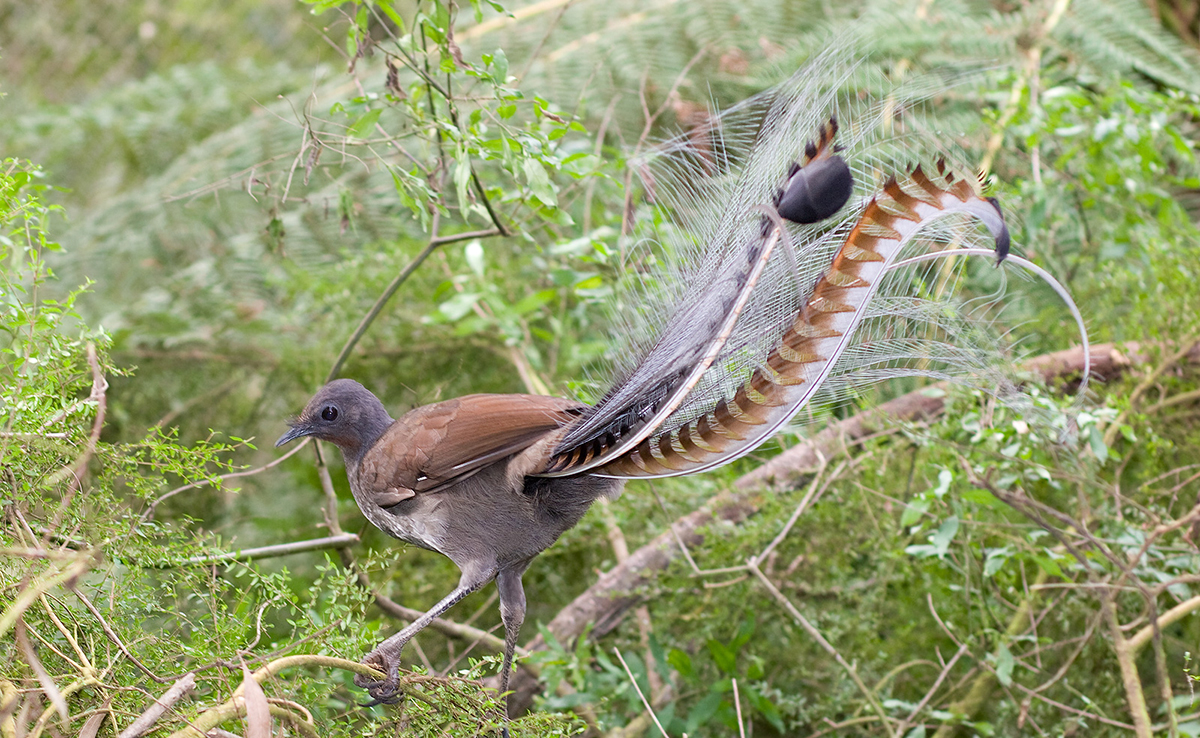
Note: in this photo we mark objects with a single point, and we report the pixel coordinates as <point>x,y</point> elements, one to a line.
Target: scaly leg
<point>512,612</point>
<point>386,656</point>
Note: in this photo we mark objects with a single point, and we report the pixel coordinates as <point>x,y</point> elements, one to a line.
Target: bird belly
<point>416,521</point>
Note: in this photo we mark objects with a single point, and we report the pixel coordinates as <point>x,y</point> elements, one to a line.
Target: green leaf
<point>365,124</point>
<point>539,183</point>
<point>914,511</point>
<point>590,283</point>
<point>500,64</point>
<point>921,551</point>
<point>681,662</point>
<point>744,632</point>
<point>529,303</point>
<point>1096,440</point>
<point>945,535</point>
<point>1004,665</point>
<point>459,305</point>
<point>996,558</point>
<point>945,477</point>
<point>1049,565</point>
<point>756,669</point>
<point>725,657</point>
<point>462,176</point>
<point>390,12</point>
<point>765,707</point>
<point>703,711</point>
<point>982,497</point>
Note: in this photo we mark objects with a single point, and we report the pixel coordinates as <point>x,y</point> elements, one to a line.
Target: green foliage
<point>98,593</point>
<point>232,240</point>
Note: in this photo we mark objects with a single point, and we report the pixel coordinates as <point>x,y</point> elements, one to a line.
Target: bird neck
<point>369,427</point>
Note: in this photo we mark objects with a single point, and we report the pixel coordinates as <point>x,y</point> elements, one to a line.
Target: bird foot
<point>384,691</point>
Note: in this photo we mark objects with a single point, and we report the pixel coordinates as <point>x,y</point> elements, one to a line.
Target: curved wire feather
<point>822,330</point>
<point>753,318</point>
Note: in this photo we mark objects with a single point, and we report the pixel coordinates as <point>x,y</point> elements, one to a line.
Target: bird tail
<point>800,271</point>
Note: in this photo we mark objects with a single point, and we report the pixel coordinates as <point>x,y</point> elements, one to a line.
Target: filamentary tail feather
<point>782,246</point>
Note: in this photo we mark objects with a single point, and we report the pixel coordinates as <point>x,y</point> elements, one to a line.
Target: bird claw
<point>384,691</point>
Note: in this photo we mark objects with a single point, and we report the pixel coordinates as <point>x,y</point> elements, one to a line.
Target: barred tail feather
<point>819,334</point>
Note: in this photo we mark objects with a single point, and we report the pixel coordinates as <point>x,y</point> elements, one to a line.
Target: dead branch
<point>180,689</point>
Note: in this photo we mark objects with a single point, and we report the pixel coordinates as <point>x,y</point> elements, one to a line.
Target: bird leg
<point>512,612</point>
<point>386,656</point>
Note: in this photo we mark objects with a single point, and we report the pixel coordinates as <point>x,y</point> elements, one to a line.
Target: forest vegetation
<point>208,210</point>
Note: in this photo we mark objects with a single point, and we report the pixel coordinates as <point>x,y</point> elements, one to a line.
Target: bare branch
<point>180,689</point>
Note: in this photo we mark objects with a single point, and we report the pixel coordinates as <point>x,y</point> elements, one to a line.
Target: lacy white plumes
<point>746,318</point>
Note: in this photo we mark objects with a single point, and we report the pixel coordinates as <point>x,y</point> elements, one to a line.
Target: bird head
<point>344,413</point>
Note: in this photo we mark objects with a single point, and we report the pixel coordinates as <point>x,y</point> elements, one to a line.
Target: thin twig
<point>266,552</point>
<point>737,704</point>
<point>1110,434</point>
<point>57,701</point>
<point>220,478</point>
<point>112,635</point>
<point>638,689</point>
<point>373,313</point>
<point>815,634</point>
<point>932,690</point>
<point>99,388</point>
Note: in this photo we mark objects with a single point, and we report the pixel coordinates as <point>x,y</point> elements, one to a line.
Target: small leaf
<point>462,176</point>
<point>539,183</point>
<point>590,283</point>
<point>945,477</point>
<point>724,656</point>
<point>500,64</point>
<point>529,303</point>
<point>387,8</point>
<point>703,711</point>
<point>945,535</point>
<point>681,662</point>
<point>365,124</point>
<point>459,305</point>
<point>1004,665</point>
<point>1096,440</point>
<point>996,558</point>
<point>914,511</point>
<point>921,551</point>
<point>744,632</point>
<point>1049,565</point>
<point>982,497</point>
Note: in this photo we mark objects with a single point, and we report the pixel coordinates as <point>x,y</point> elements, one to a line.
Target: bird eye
<point>329,413</point>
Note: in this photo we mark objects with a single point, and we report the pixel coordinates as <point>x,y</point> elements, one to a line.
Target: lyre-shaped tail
<point>820,332</point>
<point>703,322</point>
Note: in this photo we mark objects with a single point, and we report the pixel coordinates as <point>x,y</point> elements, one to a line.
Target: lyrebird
<point>785,285</point>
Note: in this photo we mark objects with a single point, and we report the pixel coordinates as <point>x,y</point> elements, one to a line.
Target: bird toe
<point>384,691</point>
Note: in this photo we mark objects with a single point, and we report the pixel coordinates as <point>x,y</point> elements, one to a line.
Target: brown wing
<point>435,446</point>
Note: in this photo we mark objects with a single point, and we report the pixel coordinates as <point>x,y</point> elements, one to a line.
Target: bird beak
<point>298,430</point>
